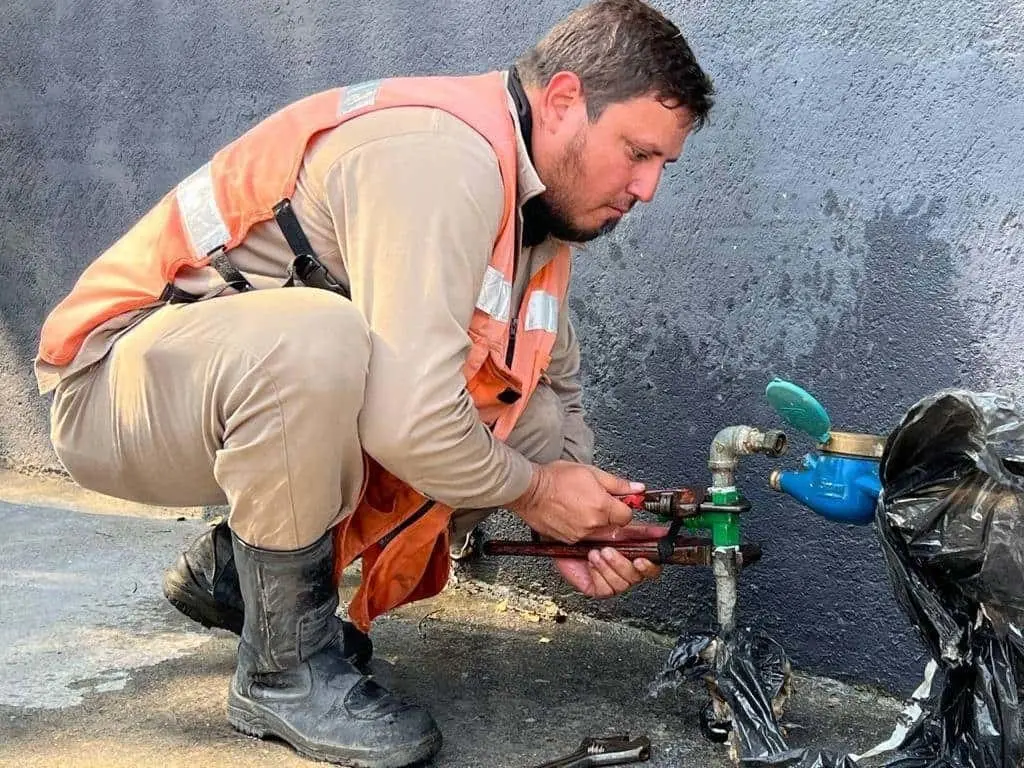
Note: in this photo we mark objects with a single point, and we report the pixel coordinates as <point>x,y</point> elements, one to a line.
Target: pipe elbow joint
<point>740,440</point>
<point>732,442</point>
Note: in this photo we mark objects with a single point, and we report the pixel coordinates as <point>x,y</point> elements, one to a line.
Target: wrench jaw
<point>619,750</point>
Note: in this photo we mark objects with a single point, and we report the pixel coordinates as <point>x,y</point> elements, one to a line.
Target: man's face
<point>595,172</point>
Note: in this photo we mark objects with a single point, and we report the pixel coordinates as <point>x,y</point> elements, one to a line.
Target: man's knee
<point>317,339</point>
<point>193,379</point>
<point>538,432</point>
<point>295,406</point>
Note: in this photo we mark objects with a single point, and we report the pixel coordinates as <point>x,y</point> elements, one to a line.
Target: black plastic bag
<point>749,674</point>
<point>748,678</point>
<point>951,522</point>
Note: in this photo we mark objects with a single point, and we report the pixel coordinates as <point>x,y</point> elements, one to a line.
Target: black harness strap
<point>234,278</point>
<point>423,509</point>
<point>306,267</point>
<point>172,294</point>
<point>536,217</point>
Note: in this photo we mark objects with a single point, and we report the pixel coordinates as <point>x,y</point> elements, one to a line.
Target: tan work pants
<point>250,400</point>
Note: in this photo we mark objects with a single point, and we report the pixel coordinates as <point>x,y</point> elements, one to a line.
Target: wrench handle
<point>688,551</point>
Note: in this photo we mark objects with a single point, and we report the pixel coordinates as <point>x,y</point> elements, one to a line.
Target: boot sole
<point>258,723</point>
<point>185,594</point>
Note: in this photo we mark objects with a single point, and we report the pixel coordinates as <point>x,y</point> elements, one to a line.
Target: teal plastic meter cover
<point>799,409</point>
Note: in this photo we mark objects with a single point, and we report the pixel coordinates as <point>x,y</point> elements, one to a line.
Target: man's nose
<point>645,183</point>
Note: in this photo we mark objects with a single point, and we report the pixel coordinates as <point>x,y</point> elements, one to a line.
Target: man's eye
<point>638,154</point>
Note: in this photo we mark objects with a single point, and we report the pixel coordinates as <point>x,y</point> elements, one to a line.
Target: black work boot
<point>293,680</point>
<point>203,585</point>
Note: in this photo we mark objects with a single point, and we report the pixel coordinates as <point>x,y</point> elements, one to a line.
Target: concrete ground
<point>99,670</point>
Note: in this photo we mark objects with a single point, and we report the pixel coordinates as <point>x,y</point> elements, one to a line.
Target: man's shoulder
<point>417,128</point>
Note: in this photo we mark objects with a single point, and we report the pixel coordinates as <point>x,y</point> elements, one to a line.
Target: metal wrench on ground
<point>613,750</point>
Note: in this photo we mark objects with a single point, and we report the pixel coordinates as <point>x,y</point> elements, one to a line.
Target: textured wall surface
<point>850,220</point>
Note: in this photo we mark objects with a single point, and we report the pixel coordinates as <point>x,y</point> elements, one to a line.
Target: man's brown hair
<point>621,49</point>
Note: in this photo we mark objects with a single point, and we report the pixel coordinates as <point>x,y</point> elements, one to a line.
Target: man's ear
<point>562,102</point>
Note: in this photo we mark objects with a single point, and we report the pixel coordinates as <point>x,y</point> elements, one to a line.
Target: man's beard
<point>547,213</point>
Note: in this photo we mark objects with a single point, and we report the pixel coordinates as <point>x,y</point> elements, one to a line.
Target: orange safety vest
<point>401,536</point>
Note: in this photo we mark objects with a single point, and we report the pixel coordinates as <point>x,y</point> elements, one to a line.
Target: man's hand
<point>606,572</point>
<point>568,502</point>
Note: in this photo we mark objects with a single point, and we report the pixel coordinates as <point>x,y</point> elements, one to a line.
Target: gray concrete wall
<point>849,221</point>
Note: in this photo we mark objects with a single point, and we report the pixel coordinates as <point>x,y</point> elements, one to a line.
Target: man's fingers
<point>643,532</point>
<point>618,571</point>
<point>618,513</point>
<point>578,573</point>
<point>616,485</point>
<point>599,578</point>
<point>647,569</point>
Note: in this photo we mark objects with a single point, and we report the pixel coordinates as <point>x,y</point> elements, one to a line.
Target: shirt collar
<point>528,183</point>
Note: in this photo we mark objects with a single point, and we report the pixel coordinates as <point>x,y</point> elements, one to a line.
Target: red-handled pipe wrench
<point>673,504</point>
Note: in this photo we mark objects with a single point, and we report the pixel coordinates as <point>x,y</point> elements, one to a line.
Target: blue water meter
<point>840,480</point>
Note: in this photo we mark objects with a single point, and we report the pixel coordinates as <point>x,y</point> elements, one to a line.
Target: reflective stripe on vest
<point>199,213</point>
<point>542,312</point>
<point>495,295</point>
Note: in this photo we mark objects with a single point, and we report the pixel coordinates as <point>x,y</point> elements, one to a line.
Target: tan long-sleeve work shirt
<point>403,206</point>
